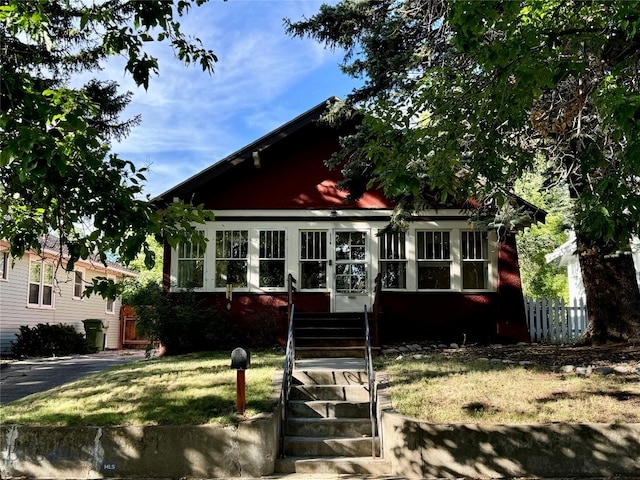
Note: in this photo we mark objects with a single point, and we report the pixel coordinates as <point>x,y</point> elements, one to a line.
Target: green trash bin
<point>96,331</point>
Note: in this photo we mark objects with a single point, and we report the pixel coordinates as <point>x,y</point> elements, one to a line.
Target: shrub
<point>181,322</point>
<point>46,340</point>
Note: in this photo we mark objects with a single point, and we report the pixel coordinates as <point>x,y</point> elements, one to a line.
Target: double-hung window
<point>434,260</point>
<point>4,265</point>
<point>272,258</point>
<point>313,259</point>
<point>40,284</point>
<point>475,260</point>
<point>78,283</point>
<point>190,265</point>
<point>232,249</point>
<point>393,260</point>
<point>110,302</point>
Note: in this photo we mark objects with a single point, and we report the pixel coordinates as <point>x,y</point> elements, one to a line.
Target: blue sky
<point>263,78</point>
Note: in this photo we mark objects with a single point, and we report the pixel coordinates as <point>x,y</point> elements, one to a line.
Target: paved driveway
<point>22,378</point>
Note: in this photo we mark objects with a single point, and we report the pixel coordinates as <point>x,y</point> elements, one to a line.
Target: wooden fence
<point>550,320</point>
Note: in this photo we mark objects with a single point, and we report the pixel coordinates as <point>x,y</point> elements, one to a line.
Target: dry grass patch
<point>442,390</point>
<point>186,390</point>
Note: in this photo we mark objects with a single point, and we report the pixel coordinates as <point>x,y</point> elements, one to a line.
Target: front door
<point>351,270</point>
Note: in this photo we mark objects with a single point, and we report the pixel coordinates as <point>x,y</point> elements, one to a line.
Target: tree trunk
<point>613,297</point>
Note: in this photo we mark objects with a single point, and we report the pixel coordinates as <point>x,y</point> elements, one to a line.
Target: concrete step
<point>329,446</point>
<point>334,465</point>
<point>327,409</point>
<point>330,352</point>
<point>330,377</point>
<point>349,393</point>
<point>324,331</point>
<point>329,341</point>
<point>328,427</point>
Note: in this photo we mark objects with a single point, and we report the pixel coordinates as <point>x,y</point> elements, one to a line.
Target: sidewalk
<point>24,377</point>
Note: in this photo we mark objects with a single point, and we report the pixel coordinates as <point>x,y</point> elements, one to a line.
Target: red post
<point>241,400</point>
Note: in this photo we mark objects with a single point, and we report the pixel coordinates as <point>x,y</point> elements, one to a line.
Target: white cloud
<point>263,78</point>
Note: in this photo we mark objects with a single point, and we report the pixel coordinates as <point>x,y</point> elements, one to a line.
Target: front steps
<point>328,429</point>
<point>329,335</point>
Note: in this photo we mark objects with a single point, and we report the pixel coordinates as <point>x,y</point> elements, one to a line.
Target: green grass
<point>185,390</point>
<point>441,390</point>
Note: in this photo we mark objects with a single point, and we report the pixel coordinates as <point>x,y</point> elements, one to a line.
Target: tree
<point>459,98</point>
<point>57,173</point>
<point>539,278</point>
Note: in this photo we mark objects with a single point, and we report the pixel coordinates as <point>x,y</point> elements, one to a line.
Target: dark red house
<point>278,212</point>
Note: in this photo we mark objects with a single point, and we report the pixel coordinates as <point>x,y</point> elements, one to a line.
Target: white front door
<point>351,287</point>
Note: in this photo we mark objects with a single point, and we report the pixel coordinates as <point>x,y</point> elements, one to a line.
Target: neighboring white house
<point>566,254</point>
<point>33,291</point>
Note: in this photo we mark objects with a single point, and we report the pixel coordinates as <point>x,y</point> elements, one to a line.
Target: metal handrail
<point>371,380</point>
<point>287,376</point>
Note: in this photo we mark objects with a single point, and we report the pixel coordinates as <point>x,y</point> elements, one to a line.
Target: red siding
<point>297,180</point>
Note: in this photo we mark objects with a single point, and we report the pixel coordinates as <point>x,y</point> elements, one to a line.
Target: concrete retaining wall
<point>145,451</point>
<point>418,449</point>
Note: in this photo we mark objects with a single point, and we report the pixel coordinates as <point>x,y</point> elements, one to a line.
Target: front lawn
<point>184,390</point>
<point>441,389</point>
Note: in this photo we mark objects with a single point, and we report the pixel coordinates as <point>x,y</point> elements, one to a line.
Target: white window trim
<point>253,275</point>
<point>491,262</point>
<point>4,273</point>
<point>41,283</point>
<point>293,231</point>
<point>113,302</point>
<point>453,284</point>
<point>82,272</point>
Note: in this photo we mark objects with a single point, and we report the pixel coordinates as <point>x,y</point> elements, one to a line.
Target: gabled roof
<point>248,154</point>
<point>50,245</point>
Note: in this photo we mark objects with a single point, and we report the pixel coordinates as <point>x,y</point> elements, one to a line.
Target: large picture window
<point>40,284</point>
<point>434,260</point>
<point>475,261</point>
<point>232,248</point>
<point>393,260</point>
<point>313,259</point>
<point>190,265</point>
<point>272,258</point>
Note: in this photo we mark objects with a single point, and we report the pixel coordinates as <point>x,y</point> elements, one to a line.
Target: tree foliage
<point>57,171</point>
<point>460,97</point>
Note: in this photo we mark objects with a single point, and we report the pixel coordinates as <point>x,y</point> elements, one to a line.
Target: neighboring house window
<point>110,302</point>
<point>272,258</point>
<point>434,260</point>
<point>190,265</point>
<point>4,265</point>
<point>313,259</point>
<point>78,283</point>
<point>475,260</point>
<point>232,248</point>
<point>40,284</point>
<point>393,260</point>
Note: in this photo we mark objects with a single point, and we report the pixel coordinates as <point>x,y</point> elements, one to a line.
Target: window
<point>78,283</point>
<point>475,260</point>
<point>393,260</point>
<point>434,260</point>
<point>40,284</point>
<point>313,259</point>
<point>110,302</point>
<point>190,265</point>
<point>272,257</point>
<point>231,258</point>
<point>4,265</point>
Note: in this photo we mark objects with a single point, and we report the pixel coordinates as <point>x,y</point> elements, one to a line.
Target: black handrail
<point>287,376</point>
<point>371,380</point>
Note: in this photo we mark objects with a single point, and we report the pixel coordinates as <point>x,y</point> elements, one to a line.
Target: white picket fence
<point>550,320</point>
